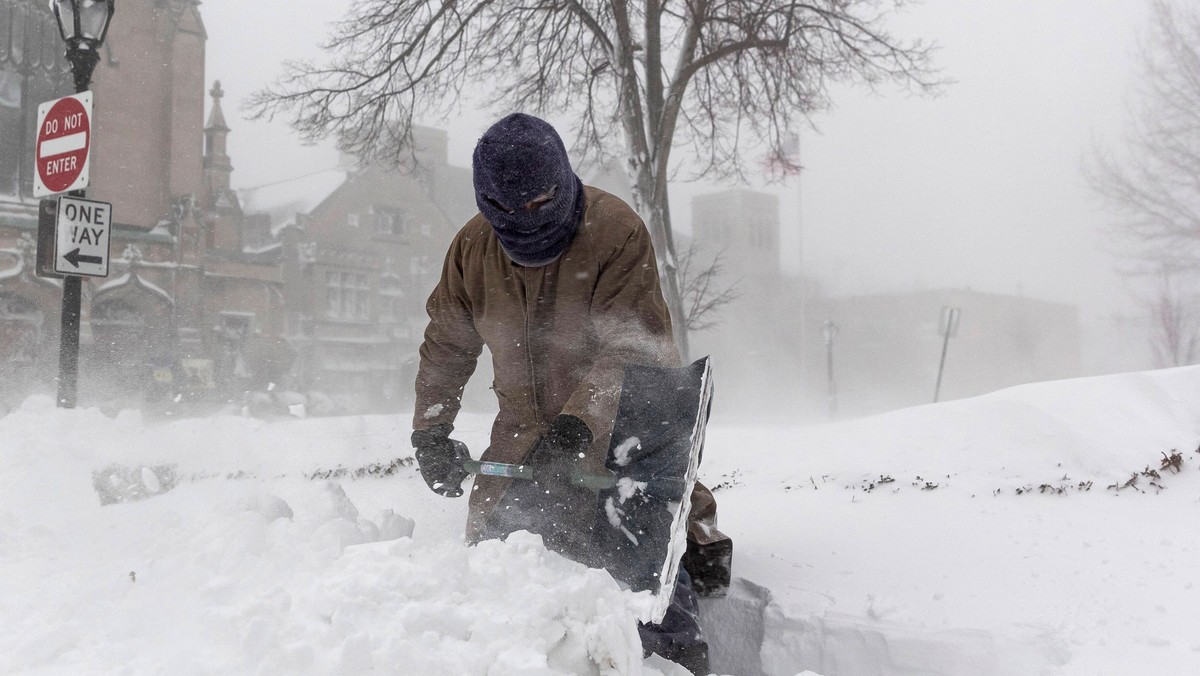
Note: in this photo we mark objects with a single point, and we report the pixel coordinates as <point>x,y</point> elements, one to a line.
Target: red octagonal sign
<point>63,140</point>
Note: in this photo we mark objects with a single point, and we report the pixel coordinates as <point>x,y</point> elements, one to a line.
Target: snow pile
<point>1036,530</point>
<point>222,575</point>
<point>1050,529</point>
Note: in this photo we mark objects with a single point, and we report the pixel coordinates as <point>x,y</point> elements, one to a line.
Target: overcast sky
<point>980,187</point>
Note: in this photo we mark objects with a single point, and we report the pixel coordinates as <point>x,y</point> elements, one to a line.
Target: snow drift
<point>1044,529</point>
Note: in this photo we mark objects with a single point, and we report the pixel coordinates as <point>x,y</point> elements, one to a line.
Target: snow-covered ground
<point>974,537</point>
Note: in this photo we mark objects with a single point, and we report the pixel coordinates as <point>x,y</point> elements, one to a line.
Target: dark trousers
<point>679,637</point>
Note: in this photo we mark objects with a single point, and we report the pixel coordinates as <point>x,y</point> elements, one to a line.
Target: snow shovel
<point>641,532</point>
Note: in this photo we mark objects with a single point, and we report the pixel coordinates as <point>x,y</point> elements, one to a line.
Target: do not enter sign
<point>64,138</point>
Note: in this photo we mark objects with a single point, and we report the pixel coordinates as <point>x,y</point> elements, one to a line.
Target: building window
<point>347,295</point>
<point>120,344</point>
<point>391,222</point>
<point>21,326</point>
<point>352,220</point>
<point>11,131</point>
<point>418,266</point>
<point>233,333</point>
<point>391,298</point>
<point>32,70</point>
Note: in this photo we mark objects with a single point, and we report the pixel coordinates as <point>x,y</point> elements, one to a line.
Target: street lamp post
<point>83,25</point>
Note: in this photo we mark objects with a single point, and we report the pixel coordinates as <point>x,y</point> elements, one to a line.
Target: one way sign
<point>82,237</point>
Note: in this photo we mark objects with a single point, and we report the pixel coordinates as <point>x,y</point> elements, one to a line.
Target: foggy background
<point>907,206</point>
<point>979,188</point>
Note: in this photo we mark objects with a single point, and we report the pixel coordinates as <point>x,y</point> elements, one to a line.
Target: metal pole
<point>830,330</point>
<point>948,327</point>
<point>68,352</point>
<point>941,366</point>
<point>83,62</point>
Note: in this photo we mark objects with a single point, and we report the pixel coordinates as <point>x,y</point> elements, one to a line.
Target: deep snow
<point>977,536</point>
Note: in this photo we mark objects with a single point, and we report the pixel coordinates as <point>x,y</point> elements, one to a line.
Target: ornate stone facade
<point>193,306</point>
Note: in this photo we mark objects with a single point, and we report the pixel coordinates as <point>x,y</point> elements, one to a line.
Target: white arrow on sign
<point>81,237</point>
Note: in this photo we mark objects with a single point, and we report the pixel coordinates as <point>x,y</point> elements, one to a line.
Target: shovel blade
<point>657,440</point>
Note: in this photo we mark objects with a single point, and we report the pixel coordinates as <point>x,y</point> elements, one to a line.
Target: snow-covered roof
<point>266,248</point>
<point>132,278</point>
<point>284,199</point>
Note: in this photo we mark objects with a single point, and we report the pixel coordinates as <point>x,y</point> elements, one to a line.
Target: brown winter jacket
<point>560,335</point>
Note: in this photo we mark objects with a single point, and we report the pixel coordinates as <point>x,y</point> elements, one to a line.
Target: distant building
<point>363,249</point>
<point>192,308</point>
<point>743,225</point>
<point>757,357</point>
<point>888,347</point>
<point>769,346</point>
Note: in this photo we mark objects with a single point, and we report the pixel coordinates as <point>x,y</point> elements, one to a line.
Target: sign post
<point>830,331</point>
<point>81,227</point>
<point>47,215</point>
<point>948,327</point>
<point>64,141</point>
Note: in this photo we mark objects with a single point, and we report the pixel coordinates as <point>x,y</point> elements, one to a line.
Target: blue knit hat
<point>525,187</point>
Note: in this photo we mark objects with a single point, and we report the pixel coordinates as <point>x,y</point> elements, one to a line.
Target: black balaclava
<point>520,160</point>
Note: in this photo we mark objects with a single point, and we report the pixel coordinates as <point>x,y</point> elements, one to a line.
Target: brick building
<point>193,305</point>
<point>363,247</point>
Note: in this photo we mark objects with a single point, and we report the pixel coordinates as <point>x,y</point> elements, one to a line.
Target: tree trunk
<point>645,163</point>
<point>657,210</point>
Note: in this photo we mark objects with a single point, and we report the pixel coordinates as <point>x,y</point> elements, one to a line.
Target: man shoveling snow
<point>559,280</point>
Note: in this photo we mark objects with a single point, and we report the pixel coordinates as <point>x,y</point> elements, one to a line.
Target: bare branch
<point>1153,188</point>
<point>703,293</point>
<point>719,77</point>
<point>1176,329</point>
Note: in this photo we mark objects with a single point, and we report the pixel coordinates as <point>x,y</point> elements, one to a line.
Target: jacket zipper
<point>530,302</point>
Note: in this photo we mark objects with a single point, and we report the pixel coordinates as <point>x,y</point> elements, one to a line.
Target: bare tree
<point>704,292</point>
<point>1174,321</point>
<point>1154,186</point>
<point>721,76</point>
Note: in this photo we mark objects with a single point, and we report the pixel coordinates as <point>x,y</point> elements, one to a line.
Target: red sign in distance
<point>63,140</point>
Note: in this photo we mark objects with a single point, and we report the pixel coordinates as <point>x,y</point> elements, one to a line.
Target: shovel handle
<point>499,469</point>
<point>594,482</point>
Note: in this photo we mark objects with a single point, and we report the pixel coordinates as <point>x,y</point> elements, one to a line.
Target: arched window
<point>119,347</point>
<point>391,298</point>
<point>21,325</point>
<point>117,327</point>
<point>32,70</point>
